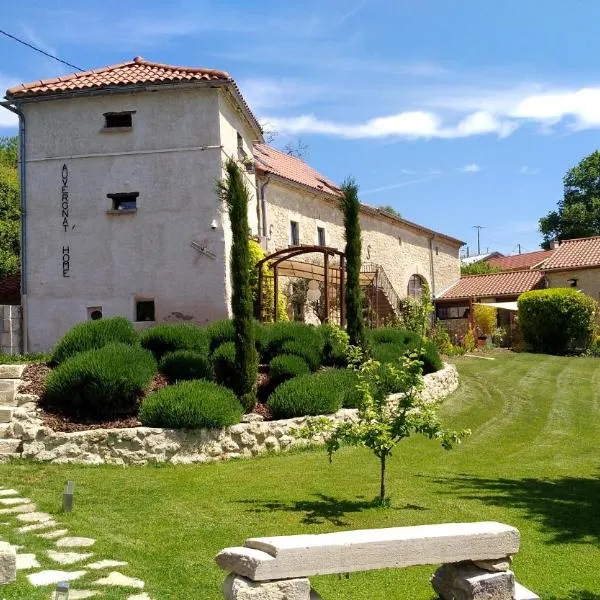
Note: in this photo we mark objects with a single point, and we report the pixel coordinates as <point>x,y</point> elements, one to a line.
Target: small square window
<point>240,147</point>
<point>118,120</point>
<point>294,233</point>
<point>94,313</point>
<point>321,236</point>
<point>124,201</point>
<point>144,310</point>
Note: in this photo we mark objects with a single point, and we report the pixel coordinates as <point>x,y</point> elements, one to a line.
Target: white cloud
<point>400,184</point>
<point>470,168</point>
<point>525,170</point>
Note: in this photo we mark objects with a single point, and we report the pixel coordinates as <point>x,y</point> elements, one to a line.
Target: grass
<point>532,462</point>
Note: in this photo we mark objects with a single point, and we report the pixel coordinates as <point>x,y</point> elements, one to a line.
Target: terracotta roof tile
<point>527,260</point>
<point>508,283</point>
<point>289,167</point>
<point>575,254</point>
<point>135,72</point>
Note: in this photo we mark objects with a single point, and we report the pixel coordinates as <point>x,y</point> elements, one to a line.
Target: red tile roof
<point>527,260</point>
<point>135,72</point>
<point>575,254</point>
<point>289,167</point>
<point>508,283</point>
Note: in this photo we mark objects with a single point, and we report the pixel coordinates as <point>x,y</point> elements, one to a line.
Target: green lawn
<point>532,462</point>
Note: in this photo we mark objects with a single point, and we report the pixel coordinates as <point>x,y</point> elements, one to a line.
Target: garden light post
<point>62,591</point>
<point>68,497</point>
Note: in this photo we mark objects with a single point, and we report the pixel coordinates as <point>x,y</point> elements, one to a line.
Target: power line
<point>479,228</point>
<point>64,62</point>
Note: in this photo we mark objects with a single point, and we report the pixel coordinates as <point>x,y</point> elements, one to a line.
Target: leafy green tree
<point>233,191</point>
<point>350,206</point>
<point>578,213</point>
<point>9,207</point>
<point>391,210</point>
<point>478,268</point>
<point>382,422</point>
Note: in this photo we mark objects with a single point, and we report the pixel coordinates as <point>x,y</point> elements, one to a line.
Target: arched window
<point>415,286</point>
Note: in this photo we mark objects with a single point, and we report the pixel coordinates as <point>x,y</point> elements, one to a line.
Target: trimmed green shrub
<point>309,352</point>
<point>185,364</point>
<point>191,405</point>
<point>287,366</point>
<point>101,383</point>
<point>278,334</point>
<point>223,364</point>
<point>335,345</point>
<point>394,335</point>
<point>94,334</point>
<point>169,337</point>
<point>432,361</point>
<point>319,393</point>
<point>557,320</point>
<point>220,332</point>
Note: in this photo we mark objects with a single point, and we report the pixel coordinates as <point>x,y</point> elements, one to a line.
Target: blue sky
<point>455,112</point>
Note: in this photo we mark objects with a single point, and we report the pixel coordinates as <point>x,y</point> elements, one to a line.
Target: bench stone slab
<point>287,557</point>
<point>465,581</point>
<point>8,563</point>
<point>522,593</point>
<point>240,588</point>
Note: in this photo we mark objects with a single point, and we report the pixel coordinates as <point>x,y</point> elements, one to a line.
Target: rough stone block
<point>285,557</point>
<point>522,593</point>
<point>240,588</point>
<point>8,563</point>
<point>6,414</point>
<point>465,581</point>
<point>494,566</point>
<point>11,371</point>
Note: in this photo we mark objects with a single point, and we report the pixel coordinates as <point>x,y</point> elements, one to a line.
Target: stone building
<point>121,216</point>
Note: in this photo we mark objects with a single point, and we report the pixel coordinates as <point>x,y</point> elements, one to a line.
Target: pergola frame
<point>273,261</point>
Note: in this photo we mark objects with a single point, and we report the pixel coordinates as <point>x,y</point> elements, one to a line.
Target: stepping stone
<point>105,564</point>
<point>27,561</point>
<point>34,517</point>
<point>6,492</point>
<point>77,594</point>
<point>143,596</point>
<point>51,535</point>
<point>37,526</point>
<point>118,579</point>
<point>75,542</point>
<point>22,508</point>
<point>68,558</point>
<point>51,577</point>
<point>8,501</point>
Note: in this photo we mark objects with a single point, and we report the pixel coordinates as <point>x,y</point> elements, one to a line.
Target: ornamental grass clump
<point>191,405</point>
<point>102,383</point>
<point>92,335</point>
<point>185,364</point>
<point>169,337</point>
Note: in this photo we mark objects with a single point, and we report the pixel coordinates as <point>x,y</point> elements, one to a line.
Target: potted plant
<point>486,318</point>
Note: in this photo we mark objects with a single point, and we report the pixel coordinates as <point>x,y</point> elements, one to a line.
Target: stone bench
<point>475,560</point>
<point>8,563</point>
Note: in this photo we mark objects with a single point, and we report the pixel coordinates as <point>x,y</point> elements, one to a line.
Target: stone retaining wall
<point>140,445</point>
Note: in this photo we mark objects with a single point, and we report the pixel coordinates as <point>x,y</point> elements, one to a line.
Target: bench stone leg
<point>237,587</point>
<point>466,581</point>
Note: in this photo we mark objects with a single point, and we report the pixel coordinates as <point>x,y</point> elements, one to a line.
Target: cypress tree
<point>350,207</point>
<point>235,194</point>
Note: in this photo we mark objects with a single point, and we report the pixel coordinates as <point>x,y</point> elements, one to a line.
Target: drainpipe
<point>431,266</point>
<point>22,184</point>
<point>263,209</point>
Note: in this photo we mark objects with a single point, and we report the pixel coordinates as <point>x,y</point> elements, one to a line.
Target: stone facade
<point>401,248</point>
<point>588,280</point>
<point>141,445</point>
<point>10,342</point>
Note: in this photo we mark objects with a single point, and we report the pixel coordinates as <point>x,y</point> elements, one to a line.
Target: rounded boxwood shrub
<point>169,337</point>
<point>94,334</point>
<point>310,352</point>
<point>319,393</point>
<point>393,335</point>
<point>220,332</point>
<point>335,345</point>
<point>101,383</point>
<point>287,366</point>
<point>557,320</point>
<point>223,364</point>
<point>277,334</point>
<point>432,361</point>
<point>185,364</point>
<point>191,405</point>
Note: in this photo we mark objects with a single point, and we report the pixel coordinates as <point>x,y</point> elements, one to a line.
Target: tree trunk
<point>382,480</point>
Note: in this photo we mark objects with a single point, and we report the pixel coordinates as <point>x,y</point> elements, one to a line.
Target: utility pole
<point>479,228</point>
<point>519,245</point>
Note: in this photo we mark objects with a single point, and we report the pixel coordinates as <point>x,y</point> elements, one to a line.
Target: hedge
<point>92,335</point>
<point>169,337</point>
<point>191,405</point>
<point>223,364</point>
<point>319,393</point>
<point>287,366</point>
<point>101,383</point>
<point>557,320</point>
<point>185,364</point>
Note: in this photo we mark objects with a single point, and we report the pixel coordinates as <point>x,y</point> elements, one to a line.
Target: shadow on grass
<point>567,507</point>
<point>323,508</point>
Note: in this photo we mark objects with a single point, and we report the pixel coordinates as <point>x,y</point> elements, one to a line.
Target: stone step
<point>11,371</point>
<point>8,390</point>
<point>21,399</point>
<point>5,429</point>
<point>6,414</point>
<point>10,447</point>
